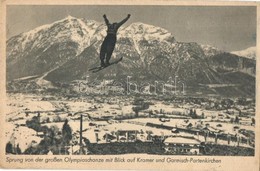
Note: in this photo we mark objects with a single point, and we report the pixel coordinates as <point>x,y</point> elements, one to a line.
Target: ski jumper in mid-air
<point>109,42</point>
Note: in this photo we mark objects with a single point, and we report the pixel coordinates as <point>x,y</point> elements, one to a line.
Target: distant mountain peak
<point>139,26</point>
<point>248,53</point>
<point>46,26</point>
<point>70,17</point>
<point>208,46</point>
<point>140,30</point>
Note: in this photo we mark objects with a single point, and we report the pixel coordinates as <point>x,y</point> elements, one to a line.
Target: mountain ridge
<point>148,51</point>
<point>248,52</point>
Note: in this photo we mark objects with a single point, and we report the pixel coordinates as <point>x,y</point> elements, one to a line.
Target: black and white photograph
<point>165,80</point>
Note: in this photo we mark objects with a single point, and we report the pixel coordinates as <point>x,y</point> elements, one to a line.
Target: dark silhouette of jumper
<point>109,42</point>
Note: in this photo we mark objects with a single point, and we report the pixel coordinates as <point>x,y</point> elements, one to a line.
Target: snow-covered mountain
<point>49,46</point>
<point>66,49</point>
<point>72,29</point>
<point>248,53</point>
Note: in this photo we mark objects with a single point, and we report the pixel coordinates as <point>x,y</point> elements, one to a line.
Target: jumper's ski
<point>99,68</point>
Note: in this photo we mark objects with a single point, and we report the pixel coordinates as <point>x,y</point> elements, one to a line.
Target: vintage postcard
<point>152,85</point>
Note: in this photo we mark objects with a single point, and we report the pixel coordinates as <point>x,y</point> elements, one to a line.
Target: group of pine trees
<point>193,114</point>
<point>53,139</point>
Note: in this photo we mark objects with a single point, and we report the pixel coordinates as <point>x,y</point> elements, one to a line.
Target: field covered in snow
<point>102,118</point>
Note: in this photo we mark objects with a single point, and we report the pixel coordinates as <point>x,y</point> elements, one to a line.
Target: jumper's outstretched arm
<point>106,20</point>
<point>124,20</point>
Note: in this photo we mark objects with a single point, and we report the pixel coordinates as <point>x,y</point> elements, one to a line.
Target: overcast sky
<point>227,28</point>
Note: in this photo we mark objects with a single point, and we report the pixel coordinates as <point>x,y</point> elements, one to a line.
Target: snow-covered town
<point>127,124</point>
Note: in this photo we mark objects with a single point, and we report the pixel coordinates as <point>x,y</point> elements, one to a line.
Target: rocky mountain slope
<point>65,51</point>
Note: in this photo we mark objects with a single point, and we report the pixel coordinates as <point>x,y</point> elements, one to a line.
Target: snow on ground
<point>104,127</point>
<point>229,127</point>
<point>225,127</point>
<point>44,83</point>
<point>25,78</point>
<point>21,135</point>
<point>18,105</point>
<point>78,106</point>
<point>30,104</point>
<point>167,108</point>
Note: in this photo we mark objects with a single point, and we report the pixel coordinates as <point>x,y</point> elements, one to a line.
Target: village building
<point>182,145</point>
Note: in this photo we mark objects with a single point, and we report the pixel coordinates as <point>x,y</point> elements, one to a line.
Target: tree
<point>161,111</point>
<point>86,141</point>
<point>150,113</point>
<point>194,114</point>
<point>145,106</point>
<point>240,113</point>
<point>202,115</point>
<point>66,133</point>
<point>34,123</point>
<point>52,134</point>
<point>253,121</point>
<point>9,148</point>
<point>241,101</point>
<point>38,115</point>
<point>237,119</point>
<point>136,110</point>
<point>56,118</point>
<point>191,112</point>
<point>18,150</point>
